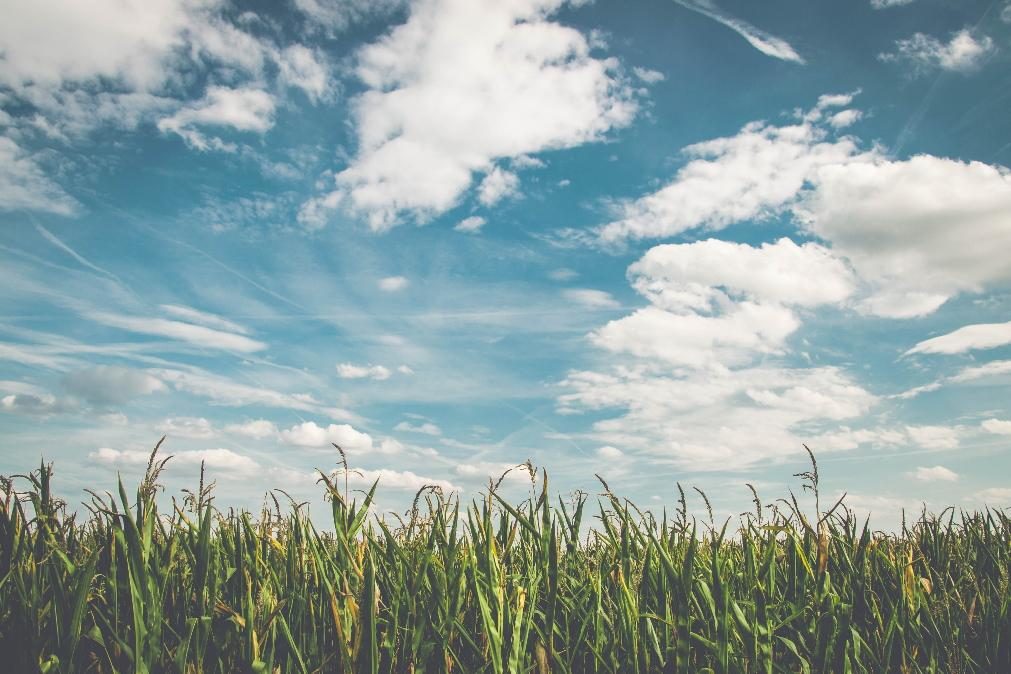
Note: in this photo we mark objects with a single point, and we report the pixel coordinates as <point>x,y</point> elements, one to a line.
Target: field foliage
<point>571,584</point>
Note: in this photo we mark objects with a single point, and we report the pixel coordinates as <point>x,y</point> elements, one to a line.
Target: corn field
<point>550,584</point>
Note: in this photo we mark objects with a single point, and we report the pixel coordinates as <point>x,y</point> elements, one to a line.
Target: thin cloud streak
<point>768,44</point>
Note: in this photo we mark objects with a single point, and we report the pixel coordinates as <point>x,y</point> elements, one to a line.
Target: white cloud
<point>197,335</point>
<point>968,338</point>
<point>934,474</point>
<point>902,225</point>
<point>257,429</point>
<point>497,185</point>
<point>997,426</point>
<point>844,118</point>
<point>396,479</point>
<point>883,4</point>
<point>245,109</point>
<point>309,434</point>
<point>562,274</point>
<point>609,452</point>
<point>726,419</point>
<point>337,15</point>
<point>458,86</point>
<point>223,391</point>
<point>751,176</point>
<point>706,275</point>
<point>493,470</point>
<point>715,302</point>
<point>768,44</point>
<point>993,496</point>
<point>647,75</point>
<point>234,465</point>
<point>426,428</point>
<point>186,427</point>
<point>934,437</point>
<point>111,384</point>
<point>45,42</point>
<point>203,318</point>
<point>920,230</point>
<point>42,404</point>
<point>1005,14</point>
<point>392,284</point>
<point>303,68</point>
<point>471,225</point>
<point>590,298</point>
<point>992,369</point>
<point>405,369</point>
<point>352,371</point>
<point>962,53</point>
<point>24,185</point>
<point>699,341</point>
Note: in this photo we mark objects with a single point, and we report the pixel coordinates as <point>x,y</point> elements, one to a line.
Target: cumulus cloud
<point>352,371</point>
<point>186,427</point>
<point>459,86</point>
<point>49,41</point>
<point>42,404</point>
<point>258,429</point>
<point>25,186</point>
<point>471,225</point>
<point>751,176</point>
<point>111,384</point>
<point>243,109</point>
<point>307,70</point>
<point>310,434</point>
<point>590,298</point>
<point>920,230</point>
<point>232,464</point>
<point>497,185</point>
<point>768,44</point>
<point>968,338</point>
<point>916,232</point>
<point>884,4</point>
<point>719,303</point>
<point>726,419</point>
<point>997,426</point>
<point>610,453</point>
<point>993,496</point>
<point>106,63</point>
<point>934,437</point>
<point>705,275</point>
<point>934,474</point>
<point>398,479</point>
<point>647,75</point>
<point>963,53</point>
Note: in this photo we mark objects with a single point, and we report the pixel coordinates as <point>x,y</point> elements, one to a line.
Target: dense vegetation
<point>494,587</point>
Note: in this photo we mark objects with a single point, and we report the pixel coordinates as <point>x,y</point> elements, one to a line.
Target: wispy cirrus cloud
<point>197,335</point>
<point>24,185</point>
<point>765,42</point>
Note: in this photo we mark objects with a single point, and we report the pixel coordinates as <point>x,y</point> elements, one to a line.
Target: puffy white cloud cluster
<point>459,87</point>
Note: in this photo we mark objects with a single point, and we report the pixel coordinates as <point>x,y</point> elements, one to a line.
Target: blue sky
<point>657,241</point>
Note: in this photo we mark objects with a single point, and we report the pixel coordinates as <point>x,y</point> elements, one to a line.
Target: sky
<point>661,241</point>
